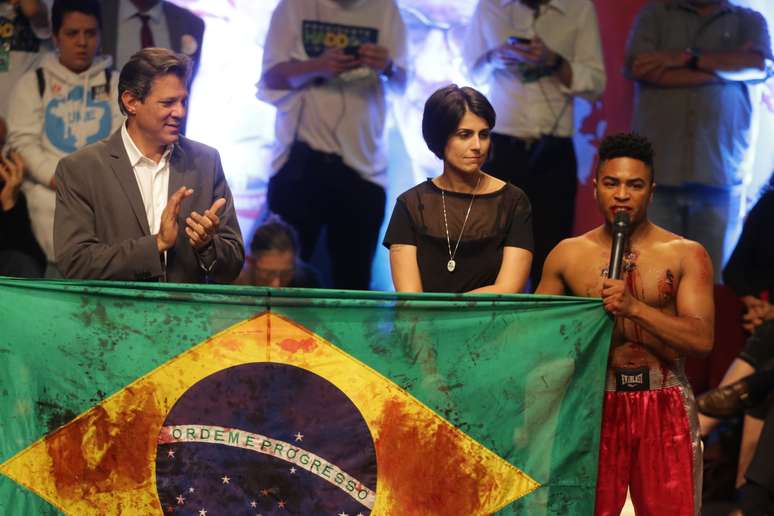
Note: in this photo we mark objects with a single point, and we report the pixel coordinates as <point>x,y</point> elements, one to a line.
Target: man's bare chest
<point>651,277</point>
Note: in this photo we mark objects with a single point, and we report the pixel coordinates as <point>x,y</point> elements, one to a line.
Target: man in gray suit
<point>147,203</point>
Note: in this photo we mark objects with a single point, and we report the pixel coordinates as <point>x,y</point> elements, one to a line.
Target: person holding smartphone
<point>537,56</point>
<point>329,166</point>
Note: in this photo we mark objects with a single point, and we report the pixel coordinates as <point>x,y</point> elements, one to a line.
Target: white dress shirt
<point>129,27</point>
<point>569,28</point>
<point>152,179</point>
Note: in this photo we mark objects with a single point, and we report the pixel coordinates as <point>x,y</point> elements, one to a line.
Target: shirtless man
<point>663,310</point>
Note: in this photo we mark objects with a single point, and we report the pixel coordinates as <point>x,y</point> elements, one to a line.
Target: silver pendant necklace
<point>451,264</point>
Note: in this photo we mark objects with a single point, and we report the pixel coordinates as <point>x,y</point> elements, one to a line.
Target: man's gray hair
<point>143,67</point>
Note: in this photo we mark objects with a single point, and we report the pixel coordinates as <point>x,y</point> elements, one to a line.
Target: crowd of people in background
<point>98,181</point>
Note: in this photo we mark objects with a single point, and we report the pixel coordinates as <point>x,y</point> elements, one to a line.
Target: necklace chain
<point>452,264</point>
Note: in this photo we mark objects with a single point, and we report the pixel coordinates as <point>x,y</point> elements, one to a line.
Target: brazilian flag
<point>128,398</point>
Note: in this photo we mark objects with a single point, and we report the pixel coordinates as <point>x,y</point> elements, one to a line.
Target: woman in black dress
<point>462,231</point>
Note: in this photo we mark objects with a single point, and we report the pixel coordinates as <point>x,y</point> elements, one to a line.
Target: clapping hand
<point>202,227</point>
<point>167,235</point>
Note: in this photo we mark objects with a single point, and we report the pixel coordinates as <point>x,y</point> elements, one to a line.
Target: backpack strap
<point>41,81</point>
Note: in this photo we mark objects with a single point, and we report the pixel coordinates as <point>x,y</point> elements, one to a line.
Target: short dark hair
<point>62,7</point>
<point>138,74</point>
<point>444,110</point>
<point>626,145</point>
<point>274,235</point>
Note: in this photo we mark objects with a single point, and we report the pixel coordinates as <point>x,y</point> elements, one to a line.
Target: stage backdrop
<point>225,113</point>
<point>127,398</point>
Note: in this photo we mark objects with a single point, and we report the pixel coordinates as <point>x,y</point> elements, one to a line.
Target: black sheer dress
<point>497,219</point>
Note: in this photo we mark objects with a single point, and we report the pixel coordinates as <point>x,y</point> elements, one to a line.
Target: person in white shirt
<point>537,56</point>
<point>327,65</point>
<point>61,107</point>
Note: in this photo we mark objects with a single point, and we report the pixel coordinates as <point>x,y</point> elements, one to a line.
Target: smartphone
<point>518,40</point>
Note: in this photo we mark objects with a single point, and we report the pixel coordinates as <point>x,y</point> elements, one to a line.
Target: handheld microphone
<point>620,238</point>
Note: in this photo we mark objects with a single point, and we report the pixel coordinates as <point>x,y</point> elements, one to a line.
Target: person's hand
<point>617,299</point>
<point>374,56</point>
<point>12,175</point>
<point>201,227</point>
<point>752,303</point>
<point>167,235</point>
<point>334,62</point>
<point>538,54</point>
<point>660,61</point>
<point>758,311</point>
<point>508,55</point>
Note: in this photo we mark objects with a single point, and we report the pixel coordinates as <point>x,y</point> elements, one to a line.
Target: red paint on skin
<point>104,453</point>
<point>705,264</point>
<point>293,346</point>
<point>632,283</point>
<point>666,288</point>
<point>445,487</point>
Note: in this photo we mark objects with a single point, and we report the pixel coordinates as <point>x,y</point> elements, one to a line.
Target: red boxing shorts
<point>650,444</point>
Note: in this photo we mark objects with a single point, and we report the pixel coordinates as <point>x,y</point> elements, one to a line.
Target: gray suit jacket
<point>180,22</point>
<point>101,230</point>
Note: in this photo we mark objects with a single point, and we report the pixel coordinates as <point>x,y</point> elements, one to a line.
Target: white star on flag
<point>253,504</point>
<point>180,500</point>
<point>299,436</point>
<point>342,513</point>
<point>225,479</point>
<point>191,489</point>
<point>292,471</point>
<point>203,512</point>
<point>171,454</point>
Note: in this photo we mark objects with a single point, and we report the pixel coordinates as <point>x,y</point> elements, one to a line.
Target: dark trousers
<point>315,190</point>
<point>546,169</point>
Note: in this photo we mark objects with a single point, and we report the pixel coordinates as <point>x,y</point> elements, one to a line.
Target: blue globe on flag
<point>264,439</point>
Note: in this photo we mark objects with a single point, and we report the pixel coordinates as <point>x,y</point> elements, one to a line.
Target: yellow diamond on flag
<point>109,460</point>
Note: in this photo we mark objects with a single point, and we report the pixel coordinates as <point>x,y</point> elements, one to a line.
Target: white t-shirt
<point>339,116</point>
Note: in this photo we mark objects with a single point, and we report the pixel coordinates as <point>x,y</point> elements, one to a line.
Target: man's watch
<point>693,60</point>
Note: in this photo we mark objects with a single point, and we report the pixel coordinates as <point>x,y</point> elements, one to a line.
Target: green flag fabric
<point>128,398</point>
